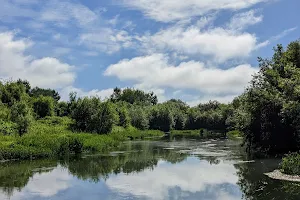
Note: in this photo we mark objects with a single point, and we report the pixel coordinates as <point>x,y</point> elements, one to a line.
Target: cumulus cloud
<point>219,43</point>
<point>170,10</point>
<point>154,70</point>
<point>43,72</point>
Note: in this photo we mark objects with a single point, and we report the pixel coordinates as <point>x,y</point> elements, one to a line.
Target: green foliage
<point>161,118</point>
<point>12,92</point>
<point>268,111</point>
<point>139,118</point>
<point>134,96</point>
<point>124,119</point>
<point>291,164</point>
<point>21,115</point>
<point>234,134</point>
<point>36,92</point>
<point>92,115</point>
<point>43,106</point>
<point>7,127</point>
<point>62,109</point>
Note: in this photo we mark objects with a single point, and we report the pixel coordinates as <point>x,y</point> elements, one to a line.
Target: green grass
<point>235,134</point>
<point>291,164</point>
<point>51,137</point>
<point>196,134</point>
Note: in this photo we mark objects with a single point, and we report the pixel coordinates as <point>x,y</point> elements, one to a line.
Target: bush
<point>291,164</point>
<point>124,119</point>
<point>43,106</point>
<point>92,115</point>
<point>161,119</point>
<point>21,115</point>
<point>139,118</point>
<point>7,128</point>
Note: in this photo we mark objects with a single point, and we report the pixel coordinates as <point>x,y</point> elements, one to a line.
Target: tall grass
<point>52,137</point>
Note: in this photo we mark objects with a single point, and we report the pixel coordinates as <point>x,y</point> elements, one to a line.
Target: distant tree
<point>36,92</point>
<point>134,96</point>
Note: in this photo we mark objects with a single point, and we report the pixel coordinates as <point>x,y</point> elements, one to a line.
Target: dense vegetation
<point>266,115</point>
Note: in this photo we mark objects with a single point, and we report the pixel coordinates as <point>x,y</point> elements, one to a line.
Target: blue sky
<point>193,50</point>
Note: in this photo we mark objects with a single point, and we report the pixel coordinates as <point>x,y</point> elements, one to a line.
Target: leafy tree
<point>43,106</point>
<point>161,118</point>
<point>36,92</point>
<point>134,96</point>
<point>92,115</point>
<point>271,103</point>
<point>21,115</point>
<point>12,92</point>
<point>62,109</point>
<point>139,118</point>
<point>124,119</point>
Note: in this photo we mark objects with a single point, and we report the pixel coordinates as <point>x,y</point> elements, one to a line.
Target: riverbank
<point>53,138</point>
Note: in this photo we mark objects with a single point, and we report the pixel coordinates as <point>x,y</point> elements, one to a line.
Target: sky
<point>191,50</point>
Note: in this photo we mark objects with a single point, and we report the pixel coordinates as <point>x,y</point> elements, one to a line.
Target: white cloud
<point>219,43</point>
<point>276,37</point>
<point>64,12</point>
<point>241,21</point>
<point>106,40</point>
<point>189,177</point>
<point>155,71</point>
<point>43,72</point>
<point>103,94</point>
<point>170,10</point>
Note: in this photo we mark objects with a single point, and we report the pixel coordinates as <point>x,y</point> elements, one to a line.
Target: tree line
<point>267,113</point>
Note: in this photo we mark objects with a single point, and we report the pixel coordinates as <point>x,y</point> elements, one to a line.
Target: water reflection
<point>148,170</point>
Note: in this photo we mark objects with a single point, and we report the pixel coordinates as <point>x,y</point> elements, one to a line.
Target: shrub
<point>91,115</point>
<point>43,106</point>
<point>124,119</point>
<point>161,118</point>
<point>21,115</point>
<point>139,118</point>
<point>291,164</point>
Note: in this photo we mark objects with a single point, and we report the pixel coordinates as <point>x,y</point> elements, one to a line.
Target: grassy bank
<point>52,137</point>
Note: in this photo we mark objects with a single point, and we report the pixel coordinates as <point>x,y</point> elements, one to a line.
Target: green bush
<point>43,106</point>
<point>161,118</point>
<point>7,128</point>
<point>92,115</point>
<point>139,118</point>
<point>291,164</point>
<point>21,115</point>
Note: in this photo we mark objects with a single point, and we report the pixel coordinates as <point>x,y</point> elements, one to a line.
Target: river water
<point>182,169</point>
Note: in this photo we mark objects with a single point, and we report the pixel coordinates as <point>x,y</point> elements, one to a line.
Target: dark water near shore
<point>185,169</point>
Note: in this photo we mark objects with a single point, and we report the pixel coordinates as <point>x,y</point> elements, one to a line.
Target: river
<point>176,169</point>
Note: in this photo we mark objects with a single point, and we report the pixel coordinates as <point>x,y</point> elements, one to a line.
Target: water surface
<point>185,169</point>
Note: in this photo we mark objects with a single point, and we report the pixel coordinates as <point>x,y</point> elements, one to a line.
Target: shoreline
<point>278,175</point>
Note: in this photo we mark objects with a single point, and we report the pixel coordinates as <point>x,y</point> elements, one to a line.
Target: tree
<point>272,104</point>
<point>139,118</point>
<point>124,119</point>
<point>36,92</point>
<point>161,118</point>
<point>21,115</point>
<point>43,106</point>
<point>92,115</point>
<point>134,96</point>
